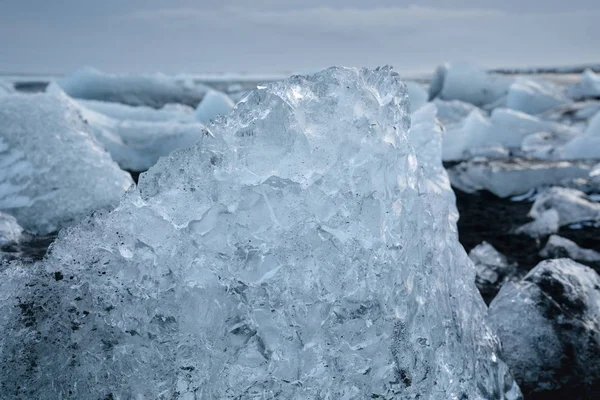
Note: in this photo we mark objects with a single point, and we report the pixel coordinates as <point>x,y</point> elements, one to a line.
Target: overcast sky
<point>265,36</point>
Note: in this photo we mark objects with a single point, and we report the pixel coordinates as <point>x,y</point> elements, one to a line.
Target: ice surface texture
<point>548,324</point>
<point>52,170</point>
<point>306,248</point>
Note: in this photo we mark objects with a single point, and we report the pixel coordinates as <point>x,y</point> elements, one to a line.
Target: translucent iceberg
<point>153,91</point>
<point>306,248</point>
<point>214,104</point>
<point>468,83</point>
<point>52,170</point>
<point>534,96</point>
<point>587,87</point>
<point>548,323</point>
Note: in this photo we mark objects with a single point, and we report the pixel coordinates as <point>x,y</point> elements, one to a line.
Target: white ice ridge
<point>52,170</point>
<point>305,248</point>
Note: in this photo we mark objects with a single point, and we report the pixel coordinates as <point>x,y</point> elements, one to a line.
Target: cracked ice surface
<point>306,248</point>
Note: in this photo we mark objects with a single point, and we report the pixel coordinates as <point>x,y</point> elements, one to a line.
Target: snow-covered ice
<point>459,81</point>
<point>214,104</point>
<point>136,90</point>
<point>52,170</point>
<point>548,324</point>
<point>307,248</point>
<point>559,247</point>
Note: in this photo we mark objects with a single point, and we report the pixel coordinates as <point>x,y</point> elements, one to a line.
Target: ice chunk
<point>153,90</point>
<point>5,88</point>
<point>593,128</point>
<point>306,249</point>
<point>10,230</point>
<point>136,145</point>
<point>534,96</point>
<point>548,324</point>
<point>586,146</point>
<point>169,112</point>
<point>417,95</point>
<point>468,134</point>
<point>514,177</point>
<point>52,170</point>
<point>572,205</point>
<point>491,269</point>
<point>546,222</point>
<point>468,83</point>
<point>582,147</point>
<point>559,247</point>
<point>214,104</point>
<point>496,152</point>
<point>507,128</point>
<point>587,87</point>
<point>453,111</point>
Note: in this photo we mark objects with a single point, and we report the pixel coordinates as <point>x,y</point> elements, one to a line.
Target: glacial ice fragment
<point>52,170</point>
<point>534,96</point>
<point>460,81</point>
<point>305,248</point>
<point>213,104</point>
<point>491,269</point>
<point>151,90</point>
<point>548,323</point>
<point>559,247</point>
<point>587,87</point>
<point>10,230</point>
<point>136,137</point>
